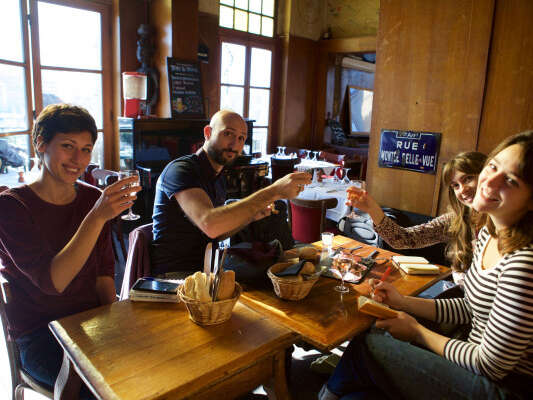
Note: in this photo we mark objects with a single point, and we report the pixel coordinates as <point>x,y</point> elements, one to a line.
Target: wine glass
<point>315,155</point>
<point>279,151</point>
<point>339,174</point>
<point>342,264</point>
<point>346,180</point>
<point>130,216</point>
<point>283,148</point>
<point>308,156</point>
<point>361,185</point>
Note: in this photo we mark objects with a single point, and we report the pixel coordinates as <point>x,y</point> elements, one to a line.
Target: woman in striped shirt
<point>496,361</point>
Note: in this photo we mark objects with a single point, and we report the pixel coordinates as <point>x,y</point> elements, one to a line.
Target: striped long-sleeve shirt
<point>498,303</point>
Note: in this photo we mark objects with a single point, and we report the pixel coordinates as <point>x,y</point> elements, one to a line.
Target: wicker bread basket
<point>211,313</point>
<point>290,288</point>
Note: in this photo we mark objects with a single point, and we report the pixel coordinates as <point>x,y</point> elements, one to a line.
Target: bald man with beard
<point>189,210</point>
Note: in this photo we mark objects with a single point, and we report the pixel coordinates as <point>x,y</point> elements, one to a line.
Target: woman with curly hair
<point>460,176</point>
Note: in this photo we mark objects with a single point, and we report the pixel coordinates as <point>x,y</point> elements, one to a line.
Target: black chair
<point>282,166</point>
<point>147,195</point>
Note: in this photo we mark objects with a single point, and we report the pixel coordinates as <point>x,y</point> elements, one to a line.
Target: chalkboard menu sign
<point>184,80</point>
<point>412,150</point>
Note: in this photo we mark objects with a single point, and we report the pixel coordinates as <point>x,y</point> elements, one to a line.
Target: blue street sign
<point>411,150</point>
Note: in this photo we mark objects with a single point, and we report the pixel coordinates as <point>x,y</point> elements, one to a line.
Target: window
<point>56,57</point>
<point>246,63</point>
<point>253,16</point>
<point>245,87</point>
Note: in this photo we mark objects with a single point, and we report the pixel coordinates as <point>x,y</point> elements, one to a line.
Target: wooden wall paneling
<point>185,29</point>
<point>130,14</point>
<point>133,13</point>
<point>508,105</point>
<point>280,96</point>
<point>299,92</point>
<point>430,75</point>
<point>208,34</point>
<point>110,127</point>
<point>161,20</point>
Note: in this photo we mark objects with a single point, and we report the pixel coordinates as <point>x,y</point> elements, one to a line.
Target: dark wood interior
<point>462,69</point>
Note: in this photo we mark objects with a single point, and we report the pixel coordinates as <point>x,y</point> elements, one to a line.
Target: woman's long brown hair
<point>459,248</point>
<point>521,233</point>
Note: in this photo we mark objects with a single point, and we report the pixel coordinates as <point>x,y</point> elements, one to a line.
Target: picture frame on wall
<point>360,110</point>
<point>185,85</point>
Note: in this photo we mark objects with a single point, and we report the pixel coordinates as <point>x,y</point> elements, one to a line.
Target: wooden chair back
<point>138,262</point>
<point>19,379</point>
<point>307,218</point>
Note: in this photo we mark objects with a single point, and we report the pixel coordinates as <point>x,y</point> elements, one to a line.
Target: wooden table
<point>326,318</point>
<point>142,350</point>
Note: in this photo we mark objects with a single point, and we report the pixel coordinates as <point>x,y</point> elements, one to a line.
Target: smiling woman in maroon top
<point>55,243</point>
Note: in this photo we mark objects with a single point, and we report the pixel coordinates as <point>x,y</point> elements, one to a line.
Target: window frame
<point>25,63</point>
<point>234,7</point>
<point>250,40</point>
<point>33,67</point>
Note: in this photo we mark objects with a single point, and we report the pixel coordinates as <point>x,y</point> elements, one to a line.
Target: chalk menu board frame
<point>185,102</point>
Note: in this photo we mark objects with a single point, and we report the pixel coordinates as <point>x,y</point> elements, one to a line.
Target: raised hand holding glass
<point>355,195</point>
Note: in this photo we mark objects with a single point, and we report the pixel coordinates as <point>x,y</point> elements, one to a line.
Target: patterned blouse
<point>419,236</point>
<point>415,237</point>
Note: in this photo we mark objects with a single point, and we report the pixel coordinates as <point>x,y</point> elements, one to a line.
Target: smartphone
<point>155,286</point>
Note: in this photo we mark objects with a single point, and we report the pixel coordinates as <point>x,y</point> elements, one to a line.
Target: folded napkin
<point>293,270</point>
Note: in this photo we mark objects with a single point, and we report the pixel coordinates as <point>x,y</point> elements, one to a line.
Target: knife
<point>373,254</point>
<point>214,268</point>
<point>218,275</point>
<point>355,248</point>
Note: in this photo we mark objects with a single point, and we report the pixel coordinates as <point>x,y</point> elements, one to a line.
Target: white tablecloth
<point>307,165</point>
<point>318,191</point>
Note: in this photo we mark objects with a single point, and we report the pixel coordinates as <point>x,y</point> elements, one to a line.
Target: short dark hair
<point>62,118</point>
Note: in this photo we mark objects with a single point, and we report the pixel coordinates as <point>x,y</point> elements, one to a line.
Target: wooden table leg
<point>68,382</point>
<point>277,389</point>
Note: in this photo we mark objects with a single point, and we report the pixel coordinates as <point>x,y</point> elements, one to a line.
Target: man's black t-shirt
<point>179,245</point>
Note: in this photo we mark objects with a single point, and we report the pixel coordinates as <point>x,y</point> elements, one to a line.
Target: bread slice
<point>226,286</point>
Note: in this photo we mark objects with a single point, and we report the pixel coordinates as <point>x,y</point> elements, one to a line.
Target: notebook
<point>415,265</point>
<point>372,307</point>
